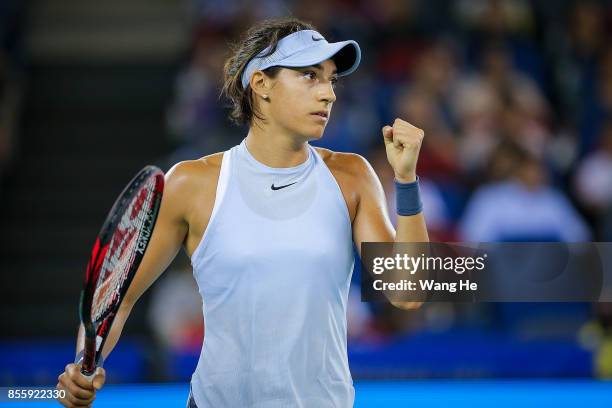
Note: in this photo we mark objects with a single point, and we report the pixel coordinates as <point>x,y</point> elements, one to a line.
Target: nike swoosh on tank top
<point>274,269</point>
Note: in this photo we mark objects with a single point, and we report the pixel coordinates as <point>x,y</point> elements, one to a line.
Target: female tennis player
<point>269,226</point>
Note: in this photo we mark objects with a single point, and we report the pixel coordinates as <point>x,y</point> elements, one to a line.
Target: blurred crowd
<point>514,96</point>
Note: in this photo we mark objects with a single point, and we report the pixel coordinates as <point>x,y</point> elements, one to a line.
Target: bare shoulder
<point>189,172</point>
<point>350,165</point>
<point>192,179</point>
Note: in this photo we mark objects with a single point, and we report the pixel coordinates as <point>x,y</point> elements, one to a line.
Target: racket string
<point>120,254</point>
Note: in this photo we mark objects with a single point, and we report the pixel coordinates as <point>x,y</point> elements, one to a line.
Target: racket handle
<point>89,377</point>
<point>79,360</point>
<point>88,361</point>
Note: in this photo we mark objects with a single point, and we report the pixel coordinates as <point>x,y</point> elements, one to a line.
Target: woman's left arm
<point>371,222</point>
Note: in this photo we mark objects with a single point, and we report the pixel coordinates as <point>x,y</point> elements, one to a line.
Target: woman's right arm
<point>169,233</point>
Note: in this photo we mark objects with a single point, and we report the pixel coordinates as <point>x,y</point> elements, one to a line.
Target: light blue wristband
<point>408,198</point>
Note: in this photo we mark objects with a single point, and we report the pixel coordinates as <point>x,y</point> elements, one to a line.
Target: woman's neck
<point>275,148</point>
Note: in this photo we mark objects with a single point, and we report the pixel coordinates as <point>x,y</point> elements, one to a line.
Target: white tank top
<point>274,268</point>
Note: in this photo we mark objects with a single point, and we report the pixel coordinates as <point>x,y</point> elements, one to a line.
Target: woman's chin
<point>316,134</point>
<point>312,134</point>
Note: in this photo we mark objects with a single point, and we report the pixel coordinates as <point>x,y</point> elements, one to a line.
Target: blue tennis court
<point>421,393</point>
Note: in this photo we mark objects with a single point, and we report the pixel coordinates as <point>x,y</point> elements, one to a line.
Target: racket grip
<point>79,360</point>
<point>89,377</point>
<point>88,366</point>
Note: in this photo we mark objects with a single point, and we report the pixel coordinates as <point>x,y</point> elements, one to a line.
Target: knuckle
<point>84,393</point>
<point>62,382</point>
<point>71,390</point>
<point>78,394</point>
<point>75,399</point>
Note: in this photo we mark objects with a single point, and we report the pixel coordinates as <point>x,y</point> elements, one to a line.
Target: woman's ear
<point>261,85</point>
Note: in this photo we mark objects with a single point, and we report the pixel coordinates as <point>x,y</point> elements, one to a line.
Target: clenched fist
<point>80,392</point>
<point>403,143</point>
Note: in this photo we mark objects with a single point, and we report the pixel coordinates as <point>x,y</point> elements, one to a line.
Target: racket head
<point>116,256</point>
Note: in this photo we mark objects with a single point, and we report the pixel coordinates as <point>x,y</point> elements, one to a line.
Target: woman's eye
<point>310,74</point>
<point>334,82</point>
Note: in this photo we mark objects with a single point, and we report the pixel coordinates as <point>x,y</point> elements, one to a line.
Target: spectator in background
<point>498,101</point>
<point>518,204</point>
<point>587,70</point>
<point>428,100</point>
<point>437,72</point>
<point>439,153</point>
<point>496,16</point>
<point>196,119</point>
<point>593,180</point>
<point>509,23</point>
<point>397,36</point>
<point>521,206</point>
<point>601,112</point>
<point>574,43</point>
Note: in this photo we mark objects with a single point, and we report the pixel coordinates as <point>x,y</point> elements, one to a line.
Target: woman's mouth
<point>321,115</point>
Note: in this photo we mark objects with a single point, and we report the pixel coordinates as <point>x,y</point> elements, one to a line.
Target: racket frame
<point>97,332</point>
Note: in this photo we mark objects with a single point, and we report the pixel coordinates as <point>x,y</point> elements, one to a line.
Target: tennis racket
<point>116,255</point>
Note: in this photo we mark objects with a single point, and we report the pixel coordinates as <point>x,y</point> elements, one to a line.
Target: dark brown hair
<point>256,39</point>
